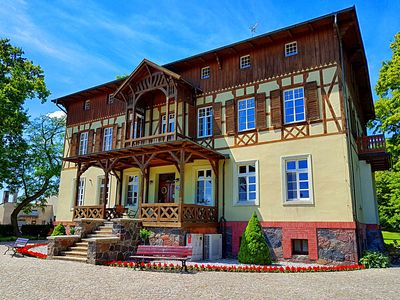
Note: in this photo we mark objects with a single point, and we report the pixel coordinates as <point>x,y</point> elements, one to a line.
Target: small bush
<point>253,247</point>
<point>375,260</point>
<point>71,230</point>
<point>59,230</point>
<point>145,234</point>
<point>6,230</point>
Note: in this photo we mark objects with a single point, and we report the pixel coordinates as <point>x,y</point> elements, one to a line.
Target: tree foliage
<point>253,247</point>
<point>20,80</point>
<point>387,110</point>
<point>36,169</point>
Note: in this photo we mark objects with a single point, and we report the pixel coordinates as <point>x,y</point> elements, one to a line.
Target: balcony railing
<point>98,212</point>
<point>177,215</point>
<point>153,139</point>
<point>371,144</point>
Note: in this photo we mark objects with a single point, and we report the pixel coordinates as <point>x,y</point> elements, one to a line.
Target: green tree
<point>253,247</point>
<point>387,110</point>
<point>36,169</point>
<point>20,80</point>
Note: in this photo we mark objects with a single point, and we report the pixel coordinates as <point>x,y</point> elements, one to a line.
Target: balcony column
<point>78,179</point>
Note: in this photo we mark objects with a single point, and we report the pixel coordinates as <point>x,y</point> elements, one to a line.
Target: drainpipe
<point>222,220</point>
<point>348,133</point>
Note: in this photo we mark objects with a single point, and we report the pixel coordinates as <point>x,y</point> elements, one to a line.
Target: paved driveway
<point>30,278</point>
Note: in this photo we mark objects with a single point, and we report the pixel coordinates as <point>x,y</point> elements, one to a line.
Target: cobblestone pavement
<point>31,278</point>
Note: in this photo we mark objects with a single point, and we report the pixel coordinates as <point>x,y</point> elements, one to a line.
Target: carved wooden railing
<point>89,212</point>
<point>152,139</point>
<point>164,214</point>
<point>371,144</point>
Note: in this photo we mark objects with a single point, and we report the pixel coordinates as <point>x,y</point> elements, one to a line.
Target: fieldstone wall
<point>167,236</point>
<point>60,243</point>
<point>120,247</point>
<point>336,246</point>
<point>273,237</point>
<point>83,227</point>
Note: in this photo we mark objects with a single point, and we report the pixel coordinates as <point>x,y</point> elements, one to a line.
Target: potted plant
<point>145,235</point>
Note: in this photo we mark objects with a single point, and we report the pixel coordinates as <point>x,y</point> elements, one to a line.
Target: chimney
<point>6,196</point>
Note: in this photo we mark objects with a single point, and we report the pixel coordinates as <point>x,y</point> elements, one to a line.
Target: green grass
<point>389,237</point>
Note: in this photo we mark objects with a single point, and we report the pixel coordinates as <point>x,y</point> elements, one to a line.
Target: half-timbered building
<point>275,124</point>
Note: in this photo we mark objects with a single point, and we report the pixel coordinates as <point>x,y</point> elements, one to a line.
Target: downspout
<point>348,132</point>
<point>222,220</point>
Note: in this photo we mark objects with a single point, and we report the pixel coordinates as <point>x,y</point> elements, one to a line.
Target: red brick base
<point>290,231</point>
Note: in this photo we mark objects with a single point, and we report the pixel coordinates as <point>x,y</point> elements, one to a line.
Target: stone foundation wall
<point>337,245</point>
<point>83,227</point>
<point>60,243</point>
<point>121,247</point>
<point>273,237</point>
<point>168,236</point>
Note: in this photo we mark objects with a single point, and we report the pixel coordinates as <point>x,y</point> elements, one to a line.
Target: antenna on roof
<point>253,29</point>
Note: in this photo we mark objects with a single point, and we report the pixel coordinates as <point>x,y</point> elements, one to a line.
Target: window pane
<point>252,196</point>
<point>291,195</point>
<point>242,170</point>
<point>252,168</point>
<point>291,165</point>
<point>304,185</point>
<point>303,164</point>
<point>303,176</point>
<point>252,179</point>
<point>304,194</point>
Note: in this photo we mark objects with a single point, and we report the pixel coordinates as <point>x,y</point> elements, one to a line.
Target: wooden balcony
<point>97,212</point>
<point>154,139</point>
<point>373,150</point>
<point>178,215</point>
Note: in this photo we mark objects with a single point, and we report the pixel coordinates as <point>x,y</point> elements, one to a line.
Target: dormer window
<point>205,72</point>
<point>86,105</point>
<point>245,62</point>
<point>291,49</point>
<point>110,99</point>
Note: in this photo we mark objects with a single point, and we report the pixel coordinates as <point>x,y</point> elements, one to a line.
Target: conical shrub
<point>253,247</point>
<point>59,230</point>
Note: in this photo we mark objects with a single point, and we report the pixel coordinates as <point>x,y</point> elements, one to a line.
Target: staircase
<point>78,252</point>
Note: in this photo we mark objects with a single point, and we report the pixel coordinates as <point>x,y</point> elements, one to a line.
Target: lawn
<point>389,237</point>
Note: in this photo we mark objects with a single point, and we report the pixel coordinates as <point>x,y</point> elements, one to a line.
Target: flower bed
<point>218,268</point>
<point>27,252</point>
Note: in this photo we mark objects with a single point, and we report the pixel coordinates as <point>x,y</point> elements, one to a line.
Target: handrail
<point>371,144</point>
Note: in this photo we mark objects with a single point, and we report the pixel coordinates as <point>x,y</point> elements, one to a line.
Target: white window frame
<point>286,201</point>
<point>135,200</point>
<point>83,143</point>
<point>138,126</point>
<point>205,72</point>
<point>80,200</point>
<point>100,186</point>
<point>204,180</point>
<point>236,185</point>
<point>86,105</point>
<point>245,61</point>
<point>203,120</point>
<point>171,123</point>
<point>295,120</point>
<point>291,49</point>
<point>107,138</point>
<point>110,99</point>
<point>246,109</point>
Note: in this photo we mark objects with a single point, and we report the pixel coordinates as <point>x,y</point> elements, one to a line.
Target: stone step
<point>74,253</point>
<point>81,243</point>
<point>71,258</point>
<point>104,230</point>
<point>96,235</point>
<point>79,248</point>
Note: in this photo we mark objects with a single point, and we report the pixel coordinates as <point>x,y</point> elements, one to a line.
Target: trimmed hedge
<point>36,230</point>
<point>59,230</point>
<point>253,247</point>
<point>6,230</point>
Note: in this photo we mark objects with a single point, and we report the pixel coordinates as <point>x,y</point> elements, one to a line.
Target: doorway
<point>166,188</point>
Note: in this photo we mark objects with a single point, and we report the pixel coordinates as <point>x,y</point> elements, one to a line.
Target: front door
<point>166,188</point>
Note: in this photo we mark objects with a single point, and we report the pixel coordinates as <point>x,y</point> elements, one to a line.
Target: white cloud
<point>57,114</point>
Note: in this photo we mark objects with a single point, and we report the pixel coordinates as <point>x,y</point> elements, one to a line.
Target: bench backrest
<point>165,251</point>
<point>21,242</point>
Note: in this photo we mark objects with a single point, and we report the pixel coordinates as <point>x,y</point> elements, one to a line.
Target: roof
<point>347,15</point>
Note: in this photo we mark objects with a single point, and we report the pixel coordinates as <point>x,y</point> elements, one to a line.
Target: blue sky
<point>80,44</point>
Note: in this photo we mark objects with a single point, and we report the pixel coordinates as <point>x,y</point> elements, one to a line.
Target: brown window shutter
<point>230,117</point>
<point>276,108</point>
<point>74,144</point>
<point>114,136</point>
<point>192,121</point>
<point>99,138</point>
<point>261,113</point>
<point>122,137</point>
<point>128,130</point>
<point>217,118</point>
<point>311,95</point>
<point>90,141</point>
